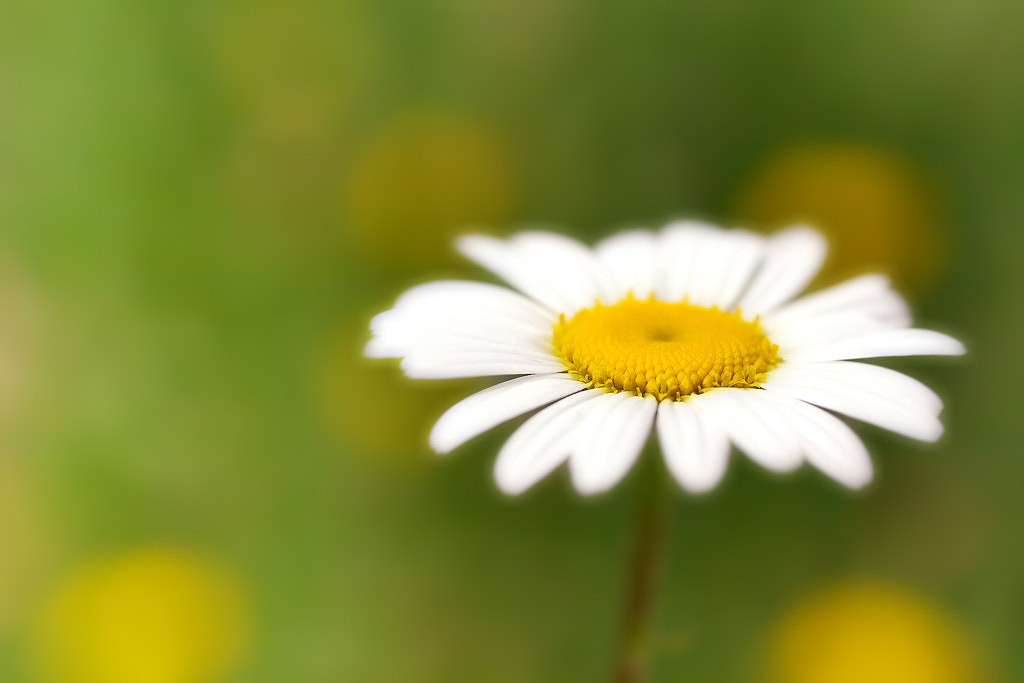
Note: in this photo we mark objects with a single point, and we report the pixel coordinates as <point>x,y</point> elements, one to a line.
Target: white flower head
<point>692,331</point>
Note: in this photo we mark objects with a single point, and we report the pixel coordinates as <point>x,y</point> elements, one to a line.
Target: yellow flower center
<point>667,350</point>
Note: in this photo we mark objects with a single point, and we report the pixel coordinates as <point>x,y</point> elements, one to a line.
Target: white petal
<point>399,332</point>
<point>450,313</point>
<point>446,331</point>
<point>488,408</point>
<point>443,295</point>
<point>542,443</point>
<point>553,269</point>
<point>792,259</point>
<point>728,265</point>
<point>699,266</point>
<point>499,257</point>
<point>609,440</point>
<point>568,266</point>
<point>828,443</point>
<point>383,347</point>
<point>441,352</point>
<point>756,426</point>
<point>695,450</point>
<point>868,295</point>
<point>903,388</point>
<point>449,365</point>
<point>899,342</point>
<point>678,252</point>
<point>631,257</point>
<point>826,329</point>
<point>870,393</point>
<point>464,329</point>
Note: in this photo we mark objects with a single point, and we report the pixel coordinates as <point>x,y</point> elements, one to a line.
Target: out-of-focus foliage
<point>203,203</point>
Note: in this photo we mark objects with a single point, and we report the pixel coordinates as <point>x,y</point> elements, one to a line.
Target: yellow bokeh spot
<point>422,180</point>
<point>858,632</point>
<point>667,350</point>
<point>878,211</point>
<point>152,616</point>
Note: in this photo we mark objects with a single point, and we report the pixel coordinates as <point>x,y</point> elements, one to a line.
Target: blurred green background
<point>203,203</point>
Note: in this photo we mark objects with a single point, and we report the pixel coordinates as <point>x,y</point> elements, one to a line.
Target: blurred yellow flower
<point>862,632</point>
<point>420,181</point>
<point>152,616</point>
<point>878,211</point>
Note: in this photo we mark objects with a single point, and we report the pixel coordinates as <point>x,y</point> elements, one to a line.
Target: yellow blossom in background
<point>151,616</point>
<point>420,180</point>
<point>862,632</point>
<point>878,210</point>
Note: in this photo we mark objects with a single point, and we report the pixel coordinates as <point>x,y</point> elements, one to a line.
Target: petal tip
<point>509,485</point>
<point>469,243</point>
<point>376,348</point>
<point>855,479</point>
<point>698,488</point>
<point>440,442</point>
<point>590,486</point>
<point>933,433</point>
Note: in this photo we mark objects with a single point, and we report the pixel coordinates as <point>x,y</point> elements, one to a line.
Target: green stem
<point>650,531</point>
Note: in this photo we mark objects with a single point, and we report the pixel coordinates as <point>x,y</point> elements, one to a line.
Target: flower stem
<point>650,531</point>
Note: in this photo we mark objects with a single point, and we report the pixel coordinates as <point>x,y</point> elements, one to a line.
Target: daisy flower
<point>693,332</point>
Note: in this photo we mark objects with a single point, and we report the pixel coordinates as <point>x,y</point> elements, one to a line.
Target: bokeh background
<point>203,203</point>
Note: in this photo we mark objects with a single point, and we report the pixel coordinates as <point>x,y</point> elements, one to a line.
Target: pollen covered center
<point>668,350</point>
